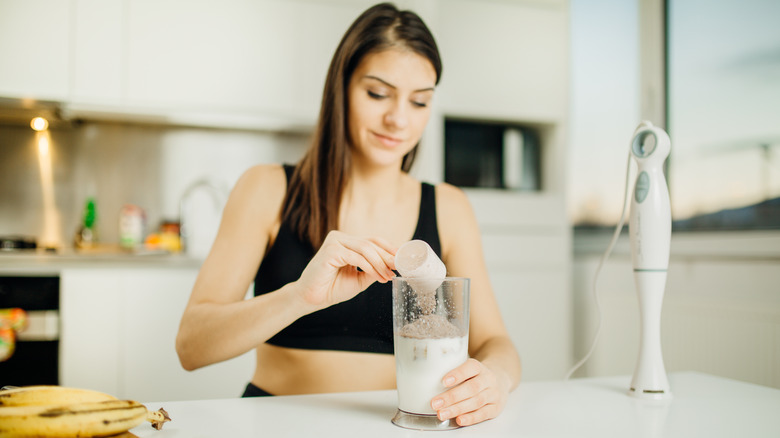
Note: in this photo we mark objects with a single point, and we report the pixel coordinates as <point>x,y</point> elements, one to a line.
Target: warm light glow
<point>43,147</point>
<point>39,124</point>
<point>51,236</point>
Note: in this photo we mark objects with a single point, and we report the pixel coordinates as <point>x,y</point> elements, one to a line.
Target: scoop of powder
<point>430,326</point>
<point>426,302</point>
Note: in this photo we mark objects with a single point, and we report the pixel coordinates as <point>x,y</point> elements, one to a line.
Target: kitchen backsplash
<point>117,164</point>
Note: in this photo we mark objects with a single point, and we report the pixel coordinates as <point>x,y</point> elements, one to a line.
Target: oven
<point>35,360</point>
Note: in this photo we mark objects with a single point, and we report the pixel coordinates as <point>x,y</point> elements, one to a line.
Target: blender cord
<point>604,258</point>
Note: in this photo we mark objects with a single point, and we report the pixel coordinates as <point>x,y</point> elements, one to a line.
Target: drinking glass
<point>430,337</point>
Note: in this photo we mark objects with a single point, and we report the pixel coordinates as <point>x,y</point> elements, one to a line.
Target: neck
<point>374,183</point>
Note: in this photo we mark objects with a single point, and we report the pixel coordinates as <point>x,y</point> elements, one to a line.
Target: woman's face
<point>390,95</point>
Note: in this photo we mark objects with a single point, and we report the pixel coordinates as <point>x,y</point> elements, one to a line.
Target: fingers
<point>371,264</point>
<point>379,260</point>
<point>372,256</point>
<point>474,395</point>
<point>389,248</point>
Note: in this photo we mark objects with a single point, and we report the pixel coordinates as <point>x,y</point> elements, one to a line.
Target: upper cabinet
<point>234,63</point>
<point>34,49</point>
<point>245,56</point>
<point>262,63</point>
<point>504,60</point>
<point>98,48</point>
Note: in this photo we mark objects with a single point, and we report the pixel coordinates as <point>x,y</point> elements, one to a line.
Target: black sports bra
<point>362,324</point>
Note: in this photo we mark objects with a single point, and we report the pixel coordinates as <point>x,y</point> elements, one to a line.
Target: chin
<point>382,157</point>
<point>388,160</point>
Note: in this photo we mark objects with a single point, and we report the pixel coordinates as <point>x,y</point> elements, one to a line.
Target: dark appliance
<point>492,154</point>
<point>36,358</point>
<point>16,243</point>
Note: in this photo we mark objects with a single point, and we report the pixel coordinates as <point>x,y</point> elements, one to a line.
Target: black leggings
<point>253,391</point>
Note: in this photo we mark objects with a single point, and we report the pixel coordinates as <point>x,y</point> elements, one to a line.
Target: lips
<point>388,141</point>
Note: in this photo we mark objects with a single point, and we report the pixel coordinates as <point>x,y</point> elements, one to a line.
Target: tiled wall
<point>150,166</point>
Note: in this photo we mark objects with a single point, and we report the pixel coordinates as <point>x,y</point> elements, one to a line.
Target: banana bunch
<point>56,411</point>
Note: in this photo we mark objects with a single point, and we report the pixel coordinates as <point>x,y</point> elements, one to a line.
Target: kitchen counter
<point>703,405</point>
<point>45,263</point>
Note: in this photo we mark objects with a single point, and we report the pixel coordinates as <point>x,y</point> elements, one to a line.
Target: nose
<point>396,116</point>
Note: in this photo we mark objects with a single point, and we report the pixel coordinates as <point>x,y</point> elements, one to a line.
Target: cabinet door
<point>90,329</point>
<point>504,60</point>
<point>153,303</point>
<point>119,331</point>
<point>527,245</point>
<point>34,49</point>
<point>265,56</point>
<point>98,48</point>
<point>536,307</point>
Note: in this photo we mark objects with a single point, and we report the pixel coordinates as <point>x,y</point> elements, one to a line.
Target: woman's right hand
<point>332,275</point>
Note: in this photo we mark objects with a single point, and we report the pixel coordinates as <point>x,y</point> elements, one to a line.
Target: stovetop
<point>17,243</point>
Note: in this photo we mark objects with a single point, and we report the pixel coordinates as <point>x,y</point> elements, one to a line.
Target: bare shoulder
<point>264,180</point>
<point>458,228</point>
<point>259,191</point>
<point>265,176</point>
<point>452,200</point>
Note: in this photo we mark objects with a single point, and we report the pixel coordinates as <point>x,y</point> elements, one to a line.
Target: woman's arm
<point>219,324</point>
<point>480,387</point>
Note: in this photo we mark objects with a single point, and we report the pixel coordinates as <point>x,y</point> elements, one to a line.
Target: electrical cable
<point>604,258</point>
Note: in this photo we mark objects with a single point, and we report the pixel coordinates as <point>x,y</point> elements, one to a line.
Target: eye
<point>375,95</point>
<point>420,104</point>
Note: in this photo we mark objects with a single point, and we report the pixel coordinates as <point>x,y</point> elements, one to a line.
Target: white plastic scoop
<point>416,261</point>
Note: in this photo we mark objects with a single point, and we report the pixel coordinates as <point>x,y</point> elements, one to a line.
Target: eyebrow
<point>393,86</point>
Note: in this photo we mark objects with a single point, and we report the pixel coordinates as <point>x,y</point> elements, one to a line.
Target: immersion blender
<point>650,231</point>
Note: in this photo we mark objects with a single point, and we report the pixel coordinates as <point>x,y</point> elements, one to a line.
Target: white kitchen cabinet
<point>154,303</point>
<point>527,246</point>
<point>90,329</point>
<point>240,63</point>
<point>536,306</point>
<point>118,335</point>
<point>98,64</point>
<point>266,56</point>
<point>504,60</point>
<point>34,49</point>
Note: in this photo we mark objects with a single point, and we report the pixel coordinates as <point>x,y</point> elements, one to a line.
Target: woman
<point>321,316</point>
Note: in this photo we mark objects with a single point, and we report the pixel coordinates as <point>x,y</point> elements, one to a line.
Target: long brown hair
<point>314,192</point>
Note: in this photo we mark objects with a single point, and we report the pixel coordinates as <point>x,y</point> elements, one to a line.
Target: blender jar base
<point>409,420</point>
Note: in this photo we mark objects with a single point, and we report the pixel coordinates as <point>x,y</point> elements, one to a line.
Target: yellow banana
<point>55,411</point>
<point>50,395</point>
<point>92,419</point>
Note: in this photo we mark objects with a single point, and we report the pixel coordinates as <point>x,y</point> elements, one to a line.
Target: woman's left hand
<point>475,394</point>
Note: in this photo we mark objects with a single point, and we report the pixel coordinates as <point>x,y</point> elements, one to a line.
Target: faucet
<point>218,195</point>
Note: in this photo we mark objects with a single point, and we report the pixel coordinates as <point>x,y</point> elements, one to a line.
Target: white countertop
<point>47,263</point>
<point>702,406</point>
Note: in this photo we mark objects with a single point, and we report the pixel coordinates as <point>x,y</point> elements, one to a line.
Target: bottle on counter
<point>132,221</point>
<point>86,235</point>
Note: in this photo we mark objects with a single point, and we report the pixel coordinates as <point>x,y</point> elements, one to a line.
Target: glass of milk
<point>431,337</point>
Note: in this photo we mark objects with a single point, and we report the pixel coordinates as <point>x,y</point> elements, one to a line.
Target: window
<point>722,111</point>
<point>723,97</point>
<point>604,112</point>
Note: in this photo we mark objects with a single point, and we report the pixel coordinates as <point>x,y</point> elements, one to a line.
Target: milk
<point>420,367</point>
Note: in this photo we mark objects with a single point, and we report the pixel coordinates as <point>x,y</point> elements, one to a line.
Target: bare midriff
<point>284,371</point>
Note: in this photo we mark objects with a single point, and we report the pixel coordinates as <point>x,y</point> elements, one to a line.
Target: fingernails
<point>438,403</point>
<point>443,415</point>
<point>449,381</point>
